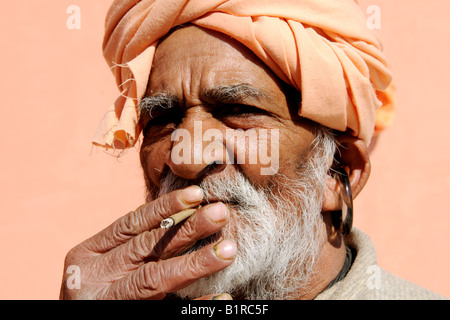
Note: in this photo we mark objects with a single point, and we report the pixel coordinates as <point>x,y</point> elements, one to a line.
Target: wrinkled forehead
<point>199,58</point>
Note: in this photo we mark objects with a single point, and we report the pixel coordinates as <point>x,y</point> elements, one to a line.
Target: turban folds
<point>322,48</point>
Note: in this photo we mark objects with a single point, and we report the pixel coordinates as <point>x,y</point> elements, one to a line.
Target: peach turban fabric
<point>322,48</point>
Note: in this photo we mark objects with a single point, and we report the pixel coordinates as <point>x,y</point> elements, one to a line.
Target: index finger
<point>144,218</point>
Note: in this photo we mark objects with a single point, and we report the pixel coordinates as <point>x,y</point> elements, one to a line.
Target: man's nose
<point>198,149</point>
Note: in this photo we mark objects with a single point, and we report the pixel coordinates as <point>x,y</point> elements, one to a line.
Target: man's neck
<point>330,262</point>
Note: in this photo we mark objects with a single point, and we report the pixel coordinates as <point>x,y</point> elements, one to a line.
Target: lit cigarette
<point>177,218</point>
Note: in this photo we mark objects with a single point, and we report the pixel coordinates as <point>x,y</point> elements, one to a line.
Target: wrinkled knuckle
<point>150,279</point>
<point>127,225</point>
<point>189,231</point>
<point>197,264</point>
<point>148,283</point>
<point>142,246</point>
<point>162,204</point>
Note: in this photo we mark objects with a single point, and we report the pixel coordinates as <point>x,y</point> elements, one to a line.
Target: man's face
<point>206,78</point>
<point>194,69</point>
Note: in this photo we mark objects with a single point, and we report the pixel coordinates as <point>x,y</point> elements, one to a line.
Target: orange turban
<point>322,48</point>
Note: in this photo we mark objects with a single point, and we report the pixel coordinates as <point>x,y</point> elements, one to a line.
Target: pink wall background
<point>56,190</point>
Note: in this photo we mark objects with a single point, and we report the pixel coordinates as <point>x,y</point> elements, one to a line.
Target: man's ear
<point>352,154</point>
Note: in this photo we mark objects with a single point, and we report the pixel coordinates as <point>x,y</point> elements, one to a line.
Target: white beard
<point>278,233</point>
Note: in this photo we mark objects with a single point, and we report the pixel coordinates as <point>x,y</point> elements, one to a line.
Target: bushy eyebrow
<point>157,103</point>
<point>226,94</point>
<point>233,93</point>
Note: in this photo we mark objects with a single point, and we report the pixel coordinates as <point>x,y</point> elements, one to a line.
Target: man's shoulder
<point>393,287</point>
<point>366,280</point>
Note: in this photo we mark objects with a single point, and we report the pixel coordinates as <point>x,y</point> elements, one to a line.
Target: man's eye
<point>164,119</point>
<point>238,110</point>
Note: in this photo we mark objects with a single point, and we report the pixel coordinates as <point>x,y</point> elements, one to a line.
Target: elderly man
<point>304,77</point>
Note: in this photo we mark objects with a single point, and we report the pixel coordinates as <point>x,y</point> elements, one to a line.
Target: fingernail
<point>191,194</point>
<point>223,296</point>
<point>217,212</point>
<point>225,250</point>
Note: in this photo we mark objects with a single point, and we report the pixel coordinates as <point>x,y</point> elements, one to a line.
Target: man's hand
<point>135,259</point>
